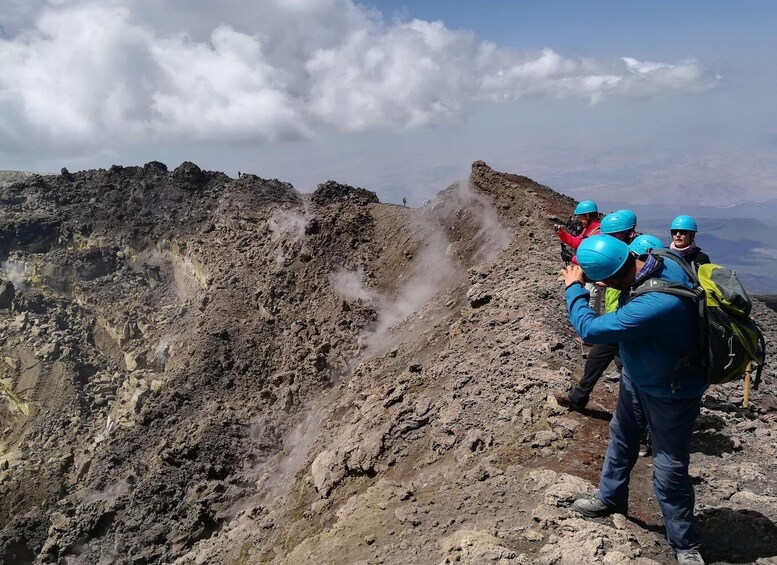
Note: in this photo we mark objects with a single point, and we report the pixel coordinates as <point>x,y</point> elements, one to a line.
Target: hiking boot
<point>692,557</point>
<point>644,447</point>
<point>563,400</point>
<point>592,507</point>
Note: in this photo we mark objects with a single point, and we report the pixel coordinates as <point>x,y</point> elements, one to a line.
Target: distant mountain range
<point>765,211</point>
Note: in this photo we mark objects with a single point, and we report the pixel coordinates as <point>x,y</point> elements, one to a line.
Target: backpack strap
<point>688,268</point>
<point>660,285</point>
<point>697,294</point>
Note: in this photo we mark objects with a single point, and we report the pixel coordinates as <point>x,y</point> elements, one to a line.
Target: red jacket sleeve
<point>569,239</point>
<point>574,241</point>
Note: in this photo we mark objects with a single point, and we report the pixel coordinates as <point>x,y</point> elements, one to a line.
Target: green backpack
<point>729,339</point>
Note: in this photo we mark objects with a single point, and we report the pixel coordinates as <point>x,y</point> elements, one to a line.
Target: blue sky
<point>658,29</point>
<point>669,102</point>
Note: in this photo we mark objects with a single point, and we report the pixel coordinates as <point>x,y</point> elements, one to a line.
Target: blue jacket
<point>654,330</point>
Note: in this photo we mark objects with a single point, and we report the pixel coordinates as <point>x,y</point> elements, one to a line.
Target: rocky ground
<point>200,369</point>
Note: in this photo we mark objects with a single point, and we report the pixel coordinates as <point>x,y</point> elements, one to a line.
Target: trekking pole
<point>746,399</point>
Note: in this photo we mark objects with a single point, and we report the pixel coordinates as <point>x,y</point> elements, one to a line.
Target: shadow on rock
<point>712,443</point>
<point>736,536</point>
<point>658,529</point>
<point>598,414</point>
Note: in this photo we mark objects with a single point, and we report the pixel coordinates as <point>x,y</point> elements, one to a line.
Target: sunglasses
<point>680,232</point>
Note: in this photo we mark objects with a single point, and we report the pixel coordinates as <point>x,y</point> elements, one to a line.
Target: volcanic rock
<point>200,369</point>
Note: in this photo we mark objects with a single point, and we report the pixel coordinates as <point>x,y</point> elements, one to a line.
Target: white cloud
<point>410,74</point>
<point>226,88</point>
<point>93,74</point>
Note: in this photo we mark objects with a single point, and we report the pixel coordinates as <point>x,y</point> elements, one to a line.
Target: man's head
<point>621,225</point>
<point>586,211</point>
<point>683,229</point>
<point>606,259</point>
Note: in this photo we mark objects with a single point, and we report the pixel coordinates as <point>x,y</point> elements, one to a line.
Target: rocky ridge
<point>199,369</point>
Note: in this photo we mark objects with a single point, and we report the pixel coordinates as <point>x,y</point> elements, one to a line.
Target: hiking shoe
<point>644,447</point>
<point>692,557</point>
<point>563,400</point>
<point>592,507</point>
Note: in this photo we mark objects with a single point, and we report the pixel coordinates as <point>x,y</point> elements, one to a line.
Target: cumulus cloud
<point>88,73</point>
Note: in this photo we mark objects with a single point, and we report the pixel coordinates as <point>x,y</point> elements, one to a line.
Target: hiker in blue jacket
<point>654,331</point>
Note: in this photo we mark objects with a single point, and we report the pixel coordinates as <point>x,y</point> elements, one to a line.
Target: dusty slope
<point>227,372</point>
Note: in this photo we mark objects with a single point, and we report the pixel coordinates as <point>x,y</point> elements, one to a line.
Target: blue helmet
<point>644,243</point>
<point>684,223</point>
<point>622,220</point>
<point>630,215</point>
<point>586,207</point>
<point>601,256</point>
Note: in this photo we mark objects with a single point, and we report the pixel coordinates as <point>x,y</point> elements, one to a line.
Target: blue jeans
<point>671,425</point>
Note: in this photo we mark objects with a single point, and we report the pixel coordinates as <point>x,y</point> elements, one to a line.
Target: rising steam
<point>15,271</point>
<point>438,267</point>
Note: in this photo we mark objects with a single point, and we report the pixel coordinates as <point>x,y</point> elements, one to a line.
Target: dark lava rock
<point>331,192</point>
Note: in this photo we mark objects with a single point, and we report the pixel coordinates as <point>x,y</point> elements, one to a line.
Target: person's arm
<point>641,317</point>
<point>573,241</point>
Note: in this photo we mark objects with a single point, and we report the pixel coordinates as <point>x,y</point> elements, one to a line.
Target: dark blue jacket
<point>654,331</point>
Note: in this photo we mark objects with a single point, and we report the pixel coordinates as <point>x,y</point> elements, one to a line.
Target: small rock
<point>478,295</point>
<point>543,438</point>
<point>533,535</point>
<point>7,293</point>
<point>48,351</point>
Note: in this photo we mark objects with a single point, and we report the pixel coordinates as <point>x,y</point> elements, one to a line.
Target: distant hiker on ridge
<point>654,330</point>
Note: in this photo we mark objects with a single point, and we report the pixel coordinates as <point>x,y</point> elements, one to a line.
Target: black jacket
<point>697,257</point>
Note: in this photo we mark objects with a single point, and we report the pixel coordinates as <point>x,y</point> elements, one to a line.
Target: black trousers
<point>599,358</point>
